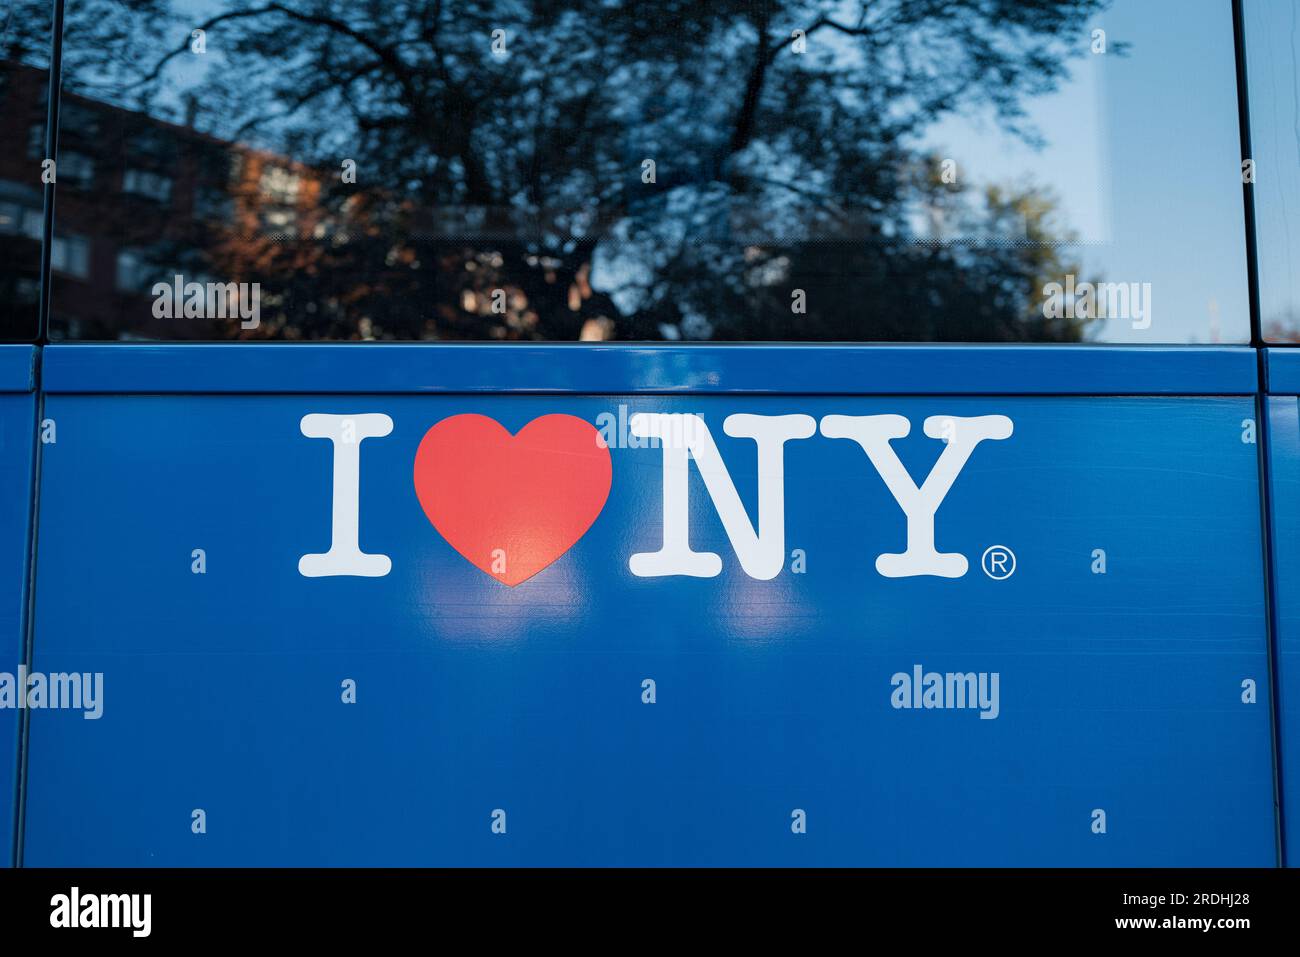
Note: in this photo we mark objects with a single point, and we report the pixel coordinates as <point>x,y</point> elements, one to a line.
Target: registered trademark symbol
<point>999,562</point>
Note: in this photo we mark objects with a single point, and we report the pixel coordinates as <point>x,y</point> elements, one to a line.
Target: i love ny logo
<point>512,505</point>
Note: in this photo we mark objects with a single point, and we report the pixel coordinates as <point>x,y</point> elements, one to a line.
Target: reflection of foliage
<point>988,287</point>
<point>774,169</point>
<point>25,32</point>
<point>1283,326</point>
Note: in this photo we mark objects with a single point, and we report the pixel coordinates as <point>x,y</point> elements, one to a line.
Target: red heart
<point>518,501</point>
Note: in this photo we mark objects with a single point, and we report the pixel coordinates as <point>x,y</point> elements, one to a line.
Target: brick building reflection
<point>140,200</point>
<point>22,108</point>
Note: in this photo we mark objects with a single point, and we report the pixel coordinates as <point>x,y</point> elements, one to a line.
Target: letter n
<point>683,437</point>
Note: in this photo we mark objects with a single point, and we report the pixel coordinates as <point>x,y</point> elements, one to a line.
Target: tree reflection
<point>503,179</point>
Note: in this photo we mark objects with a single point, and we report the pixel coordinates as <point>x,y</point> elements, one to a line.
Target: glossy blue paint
<point>1119,691</point>
<point>16,364</point>
<point>1282,371</point>
<point>1284,478</point>
<point>17,419</point>
<point>613,369</point>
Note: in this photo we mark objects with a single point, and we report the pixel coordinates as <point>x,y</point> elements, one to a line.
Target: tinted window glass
<point>1272,39</point>
<point>24,89</point>
<point>594,169</point>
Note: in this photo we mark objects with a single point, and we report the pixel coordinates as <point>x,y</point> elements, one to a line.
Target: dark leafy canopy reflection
<point>780,163</point>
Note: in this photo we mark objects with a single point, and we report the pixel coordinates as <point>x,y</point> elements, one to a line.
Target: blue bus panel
<point>17,420</point>
<point>715,629</point>
<point>1284,478</point>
